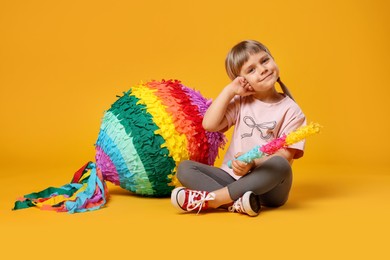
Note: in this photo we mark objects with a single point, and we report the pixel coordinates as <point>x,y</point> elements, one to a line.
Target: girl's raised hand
<point>242,87</point>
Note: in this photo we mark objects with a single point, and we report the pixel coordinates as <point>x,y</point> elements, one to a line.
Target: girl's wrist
<point>230,90</point>
<point>253,165</point>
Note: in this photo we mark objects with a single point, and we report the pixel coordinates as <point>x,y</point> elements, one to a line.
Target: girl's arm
<point>214,119</point>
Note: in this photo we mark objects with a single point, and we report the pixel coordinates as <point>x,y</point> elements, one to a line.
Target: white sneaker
<point>249,204</point>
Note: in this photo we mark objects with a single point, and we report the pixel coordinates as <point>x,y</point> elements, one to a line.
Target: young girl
<point>260,114</point>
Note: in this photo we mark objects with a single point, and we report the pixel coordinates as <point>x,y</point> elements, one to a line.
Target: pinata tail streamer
<point>143,137</point>
<point>87,191</point>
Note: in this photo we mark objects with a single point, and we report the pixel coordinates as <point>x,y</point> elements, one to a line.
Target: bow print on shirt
<point>265,129</point>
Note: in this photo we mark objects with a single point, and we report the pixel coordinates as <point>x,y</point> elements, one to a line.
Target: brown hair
<point>240,53</point>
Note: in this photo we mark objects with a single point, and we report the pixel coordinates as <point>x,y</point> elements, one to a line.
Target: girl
<point>259,113</point>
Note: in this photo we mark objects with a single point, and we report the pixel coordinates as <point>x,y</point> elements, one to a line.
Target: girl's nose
<point>263,70</point>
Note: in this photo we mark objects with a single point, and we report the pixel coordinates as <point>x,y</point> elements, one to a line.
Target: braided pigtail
<point>285,89</point>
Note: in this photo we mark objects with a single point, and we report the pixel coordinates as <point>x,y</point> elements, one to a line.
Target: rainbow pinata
<point>143,137</point>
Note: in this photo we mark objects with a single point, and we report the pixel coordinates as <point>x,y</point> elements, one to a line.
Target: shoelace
<point>196,199</point>
<point>237,206</point>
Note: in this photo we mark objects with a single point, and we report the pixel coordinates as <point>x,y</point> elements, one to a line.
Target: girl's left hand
<point>241,168</point>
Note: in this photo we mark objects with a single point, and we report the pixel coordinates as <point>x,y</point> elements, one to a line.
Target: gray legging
<point>271,181</point>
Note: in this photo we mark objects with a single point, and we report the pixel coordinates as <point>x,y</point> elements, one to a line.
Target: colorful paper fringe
<point>279,143</point>
<point>143,137</point>
<point>87,191</point>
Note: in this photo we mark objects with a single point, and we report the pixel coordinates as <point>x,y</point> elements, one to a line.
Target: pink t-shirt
<point>257,123</point>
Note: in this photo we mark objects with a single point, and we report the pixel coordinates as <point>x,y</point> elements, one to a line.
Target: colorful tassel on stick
<point>279,143</point>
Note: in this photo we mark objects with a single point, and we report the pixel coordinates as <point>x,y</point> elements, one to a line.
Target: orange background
<point>62,63</point>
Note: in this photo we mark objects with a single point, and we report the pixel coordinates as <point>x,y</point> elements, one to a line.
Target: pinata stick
<point>278,143</point>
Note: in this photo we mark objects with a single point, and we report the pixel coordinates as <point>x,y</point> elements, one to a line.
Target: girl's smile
<point>266,77</point>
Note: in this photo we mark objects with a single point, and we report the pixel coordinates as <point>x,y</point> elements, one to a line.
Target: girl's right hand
<point>242,87</point>
<point>241,168</point>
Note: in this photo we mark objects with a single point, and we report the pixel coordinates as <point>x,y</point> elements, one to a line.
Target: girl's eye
<point>265,60</point>
<point>251,70</point>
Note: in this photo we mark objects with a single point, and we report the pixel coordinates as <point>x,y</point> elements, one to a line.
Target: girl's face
<point>260,71</point>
